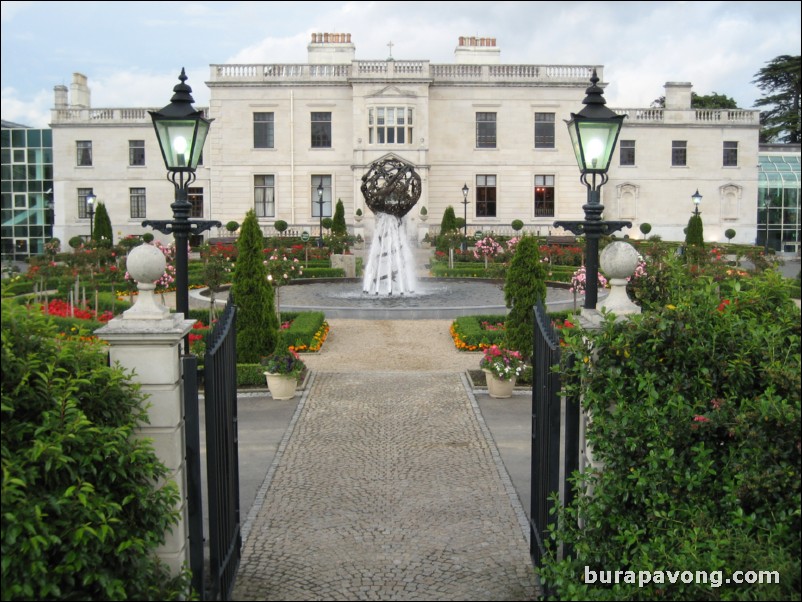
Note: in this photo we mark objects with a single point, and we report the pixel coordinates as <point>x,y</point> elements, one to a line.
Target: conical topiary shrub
<point>257,323</point>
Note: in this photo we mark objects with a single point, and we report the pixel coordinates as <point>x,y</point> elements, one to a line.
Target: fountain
<point>391,188</point>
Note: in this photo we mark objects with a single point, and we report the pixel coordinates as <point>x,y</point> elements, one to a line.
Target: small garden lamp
<point>90,211</point>
<point>320,211</point>
<point>697,198</point>
<point>465,214</point>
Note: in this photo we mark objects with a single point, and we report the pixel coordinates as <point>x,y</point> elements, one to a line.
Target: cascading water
<point>391,188</point>
<point>390,268</point>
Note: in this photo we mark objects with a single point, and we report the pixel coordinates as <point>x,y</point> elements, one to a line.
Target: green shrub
<point>696,412</point>
<point>232,226</point>
<point>470,335</point>
<point>81,514</point>
<point>250,375</point>
<point>517,225</point>
<point>257,324</point>
<point>324,273</point>
<point>102,233</point>
<point>338,223</point>
<point>281,226</point>
<point>729,233</point>
<point>524,287</point>
<point>302,331</point>
<point>645,228</point>
<point>449,221</point>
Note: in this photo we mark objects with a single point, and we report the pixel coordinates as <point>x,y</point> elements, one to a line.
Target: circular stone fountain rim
<point>398,313</point>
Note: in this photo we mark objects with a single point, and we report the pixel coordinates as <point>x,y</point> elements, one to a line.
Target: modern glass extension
<point>778,210</point>
<point>27,190</point>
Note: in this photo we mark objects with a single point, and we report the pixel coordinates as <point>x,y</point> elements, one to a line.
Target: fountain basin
<point>434,299</point>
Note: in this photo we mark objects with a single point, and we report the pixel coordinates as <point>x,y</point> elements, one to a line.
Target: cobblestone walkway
<point>387,490</point>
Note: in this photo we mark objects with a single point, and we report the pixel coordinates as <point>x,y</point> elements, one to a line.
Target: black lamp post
<point>697,198</point>
<point>320,211</point>
<point>766,239</point>
<point>51,212</point>
<point>465,217</point>
<point>181,131</point>
<point>594,133</point>
<point>90,210</point>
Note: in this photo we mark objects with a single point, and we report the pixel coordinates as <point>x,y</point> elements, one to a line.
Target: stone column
<point>619,261</point>
<point>146,341</point>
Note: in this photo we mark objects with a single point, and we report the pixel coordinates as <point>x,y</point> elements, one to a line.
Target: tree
<point>524,287</point>
<point>706,101</point>
<point>85,502</point>
<point>780,83</point>
<point>338,224</point>
<point>449,221</point>
<point>257,324</point>
<point>102,232</point>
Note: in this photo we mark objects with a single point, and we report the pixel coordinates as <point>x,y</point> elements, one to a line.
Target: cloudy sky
<point>132,52</point>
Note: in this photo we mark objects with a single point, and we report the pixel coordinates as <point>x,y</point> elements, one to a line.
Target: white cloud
<point>26,111</point>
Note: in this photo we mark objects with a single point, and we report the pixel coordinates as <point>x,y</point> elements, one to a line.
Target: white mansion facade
<point>281,131</point>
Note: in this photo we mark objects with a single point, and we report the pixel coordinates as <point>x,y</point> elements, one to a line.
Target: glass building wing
<point>778,207</point>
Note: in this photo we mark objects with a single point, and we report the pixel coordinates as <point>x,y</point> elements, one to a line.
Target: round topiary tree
<point>517,225</point>
<point>645,228</point>
<point>327,223</point>
<point>85,502</point>
<point>75,242</point>
<point>147,237</point>
<point>281,226</point>
<point>729,233</point>
<point>257,323</point>
<point>524,287</point>
<point>232,226</point>
<point>338,224</point>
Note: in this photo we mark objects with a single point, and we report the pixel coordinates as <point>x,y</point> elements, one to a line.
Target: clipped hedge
<point>302,333</point>
<point>469,335</point>
<point>324,273</point>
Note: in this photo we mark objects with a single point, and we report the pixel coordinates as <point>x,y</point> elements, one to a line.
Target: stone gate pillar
<point>146,341</point>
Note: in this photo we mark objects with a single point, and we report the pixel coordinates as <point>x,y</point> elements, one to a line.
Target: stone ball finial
<point>619,260</point>
<point>146,263</point>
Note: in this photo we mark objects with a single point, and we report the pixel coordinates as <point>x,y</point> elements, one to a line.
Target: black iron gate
<point>555,434</point>
<point>222,459</point>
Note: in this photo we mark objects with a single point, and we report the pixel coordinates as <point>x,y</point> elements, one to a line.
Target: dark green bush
<point>473,336</point>
<point>81,515</point>
<point>251,375</point>
<point>449,221</point>
<point>517,225</point>
<point>524,287</point>
<point>257,323</point>
<point>696,413</point>
<point>302,331</point>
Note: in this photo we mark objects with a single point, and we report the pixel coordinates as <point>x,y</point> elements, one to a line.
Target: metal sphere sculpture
<point>391,186</point>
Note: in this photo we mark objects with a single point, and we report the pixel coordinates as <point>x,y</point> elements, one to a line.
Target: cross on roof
<point>390,46</point>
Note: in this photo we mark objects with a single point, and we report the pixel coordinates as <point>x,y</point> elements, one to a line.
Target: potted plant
<point>502,367</point>
<point>424,214</point>
<point>358,215</point>
<point>282,369</point>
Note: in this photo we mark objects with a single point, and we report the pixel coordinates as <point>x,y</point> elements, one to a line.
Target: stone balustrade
<point>125,115</point>
<point>701,116</point>
<point>383,69</point>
